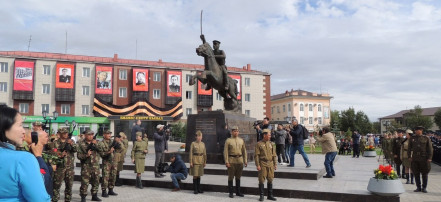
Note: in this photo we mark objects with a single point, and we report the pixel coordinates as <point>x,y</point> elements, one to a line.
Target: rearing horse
<point>213,76</point>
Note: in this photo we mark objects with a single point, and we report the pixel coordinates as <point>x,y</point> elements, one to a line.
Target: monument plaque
<point>206,126</point>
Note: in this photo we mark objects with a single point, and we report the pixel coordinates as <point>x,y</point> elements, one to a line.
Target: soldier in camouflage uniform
<point>106,152</point>
<point>266,163</point>
<point>118,158</point>
<point>420,154</point>
<point>65,171</point>
<point>90,166</point>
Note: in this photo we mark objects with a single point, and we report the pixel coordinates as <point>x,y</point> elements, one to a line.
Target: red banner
<point>103,80</point>
<point>202,91</point>
<point>236,78</point>
<point>24,75</point>
<point>140,79</point>
<point>65,74</point>
<point>174,83</point>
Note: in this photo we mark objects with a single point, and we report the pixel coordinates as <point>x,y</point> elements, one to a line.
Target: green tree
<point>179,130</point>
<point>376,127</point>
<point>437,118</point>
<point>347,119</point>
<point>362,123</point>
<point>335,119</point>
<point>348,134</point>
<point>415,118</point>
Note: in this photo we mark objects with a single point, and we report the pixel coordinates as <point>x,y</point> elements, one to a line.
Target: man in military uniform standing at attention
<point>266,163</point>
<point>396,151</point>
<point>235,155</point>
<point>65,171</point>
<point>420,154</point>
<point>106,150</point>
<point>90,166</point>
<point>220,59</point>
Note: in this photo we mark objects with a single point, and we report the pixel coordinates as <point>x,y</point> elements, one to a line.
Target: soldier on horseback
<point>220,59</point>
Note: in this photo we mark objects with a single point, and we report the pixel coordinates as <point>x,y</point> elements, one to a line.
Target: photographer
<point>260,127</point>
<point>330,149</point>
<point>106,149</point>
<point>161,146</point>
<point>178,171</point>
<point>18,165</point>
<point>90,166</point>
<point>298,136</point>
<point>66,149</point>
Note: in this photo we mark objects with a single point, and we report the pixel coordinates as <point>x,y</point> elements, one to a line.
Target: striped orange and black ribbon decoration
<point>138,108</point>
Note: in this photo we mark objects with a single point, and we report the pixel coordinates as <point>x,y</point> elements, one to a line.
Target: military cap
<point>63,130</point>
<point>122,134</point>
<point>37,123</point>
<point>408,131</point>
<point>266,131</point>
<point>419,128</point>
<point>216,41</point>
<point>234,128</point>
<point>89,132</point>
<point>138,133</point>
<point>107,132</point>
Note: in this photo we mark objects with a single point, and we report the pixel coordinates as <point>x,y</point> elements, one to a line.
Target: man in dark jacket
<point>221,138</point>
<point>259,128</point>
<point>161,146</point>
<point>297,144</point>
<point>356,144</point>
<point>136,128</point>
<point>178,171</point>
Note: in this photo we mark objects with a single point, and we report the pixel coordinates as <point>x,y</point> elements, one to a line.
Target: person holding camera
<point>260,127</point>
<point>65,149</point>
<point>198,160</point>
<point>161,146</point>
<point>90,166</point>
<point>139,151</point>
<point>299,134</point>
<point>178,171</point>
<point>106,149</point>
<point>329,148</point>
<point>17,165</point>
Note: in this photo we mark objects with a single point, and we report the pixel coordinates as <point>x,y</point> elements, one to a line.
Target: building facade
<point>385,122</point>
<point>33,82</point>
<point>310,109</point>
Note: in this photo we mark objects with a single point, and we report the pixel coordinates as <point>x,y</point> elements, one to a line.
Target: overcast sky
<point>378,56</point>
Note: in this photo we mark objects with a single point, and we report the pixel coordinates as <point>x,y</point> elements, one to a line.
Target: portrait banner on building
<point>174,83</point>
<point>202,91</point>
<point>24,75</point>
<point>140,79</point>
<point>103,79</point>
<point>236,78</point>
<point>65,74</point>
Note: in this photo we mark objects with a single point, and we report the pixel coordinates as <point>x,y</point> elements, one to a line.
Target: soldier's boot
<point>140,183</point>
<point>238,193</point>
<point>425,179</point>
<point>418,183</point>
<point>411,178</point>
<point>112,193</point>
<point>104,194</point>
<point>407,178</point>
<point>137,182</point>
<point>195,186</point>
<point>95,197</point>
<point>118,181</point>
<point>270,192</point>
<point>230,189</point>
<point>83,198</point>
<point>199,186</point>
<point>261,189</point>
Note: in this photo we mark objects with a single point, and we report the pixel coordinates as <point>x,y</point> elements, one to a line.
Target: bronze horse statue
<point>213,76</point>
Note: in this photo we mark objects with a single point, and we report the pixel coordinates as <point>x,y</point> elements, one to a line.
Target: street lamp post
<point>46,118</point>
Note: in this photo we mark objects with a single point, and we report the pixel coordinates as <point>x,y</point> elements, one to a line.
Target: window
<point>188,78</point>
<point>86,72</point>
<point>86,90</point>
<point>83,128</point>
<point>3,87</point>
<point>187,111</point>
<point>44,108</point>
<point>65,109</point>
<point>301,108</point>
<point>188,95</point>
<point>85,109</point>
<point>122,92</point>
<point>319,120</point>
<point>310,120</point>
<point>283,108</point>
<point>272,110</point>
<point>123,74</point>
<point>23,108</point>
<point>247,81</point>
<point>3,67</point>
<point>289,107</point>
<point>247,112</point>
<point>218,97</point>
<point>302,121</point>
<point>46,69</point>
<point>310,107</point>
<point>156,94</point>
<point>247,97</point>
<point>278,109</point>
<point>46,88</point>
<point>157,76</point>
<point>319,108</point>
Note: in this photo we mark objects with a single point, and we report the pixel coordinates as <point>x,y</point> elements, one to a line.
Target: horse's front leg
<point>196,77</point>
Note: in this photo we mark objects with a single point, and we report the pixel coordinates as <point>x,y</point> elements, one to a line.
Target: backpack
<point>305,133</point>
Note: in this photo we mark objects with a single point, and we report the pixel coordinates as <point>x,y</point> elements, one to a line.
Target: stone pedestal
<point>210,124</point>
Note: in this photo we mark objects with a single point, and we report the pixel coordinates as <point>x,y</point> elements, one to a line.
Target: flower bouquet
<point>385,182</point>
<point>385,173</point>
<point>369,148</point>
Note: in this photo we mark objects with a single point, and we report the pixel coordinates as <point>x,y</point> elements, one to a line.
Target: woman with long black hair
<point>20,174</point>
